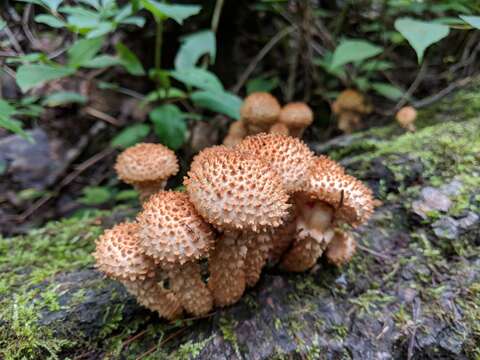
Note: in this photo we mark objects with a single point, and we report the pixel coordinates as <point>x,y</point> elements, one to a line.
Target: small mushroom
<point>147,167</point>
<point>279,129</point>
<point>176,237</point>
<point>341,248</point>
<point>349,107</point>
<point>259,111</point>
<point>236,132</point>
<point>119,255</point>
<point>238,194</point>
<point>297,116</point>
<point>330,198</point>
<point>406,117</point>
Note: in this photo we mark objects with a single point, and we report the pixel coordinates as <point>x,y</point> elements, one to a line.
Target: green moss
<point>470,304</point>
<point>190,349</point>
<point>227,327</point>
<point>370,301</point>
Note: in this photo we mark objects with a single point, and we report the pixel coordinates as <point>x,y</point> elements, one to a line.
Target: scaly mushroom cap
<point>119,255</point>
<point>171,231</point>
<point>350,100</point>
<point>289,157</point>
<point>349,197</point>
<point>341,249</point>
<point>146,163</point>
<point>296,115</point>
<point>406,116</point>
<point>260,109</point>
<point>234,190</point>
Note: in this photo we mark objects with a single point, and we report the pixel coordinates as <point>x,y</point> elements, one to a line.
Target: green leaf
<point>50,20</point>
<point>126,195</point>
<point>353,50</point>
<point>129,60</point>
<point>162,94</point>
<point>82,51</point>
<point>64,97</point>
<point>387,90</point>
<point>130,136</point>
<point>178,13</point>
<point>102,29</point>
<point>421,34</point>
<point>199,78</point>
<point>102,61</point>
<point>218,101</point>
<point>31,75</point>
<point>262,84</point>
<point>95,195</point>
<point>52,4</point>
<point>28,58</point>
<point>169,125</point>
<point>194,46</point>
<point>6,122</point>
<point>2,24</point>
<point>471,20</point>
<point>376,65</point>
<point>134,20</point>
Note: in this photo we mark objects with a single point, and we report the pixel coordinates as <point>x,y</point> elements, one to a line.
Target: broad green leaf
<point>28,58</point>
<point>176,12</point>
<point>102,61</point>
<point>129,60</point>
<point>193,47</point>
<point>124,12</point>
<point>126,195</point>
<point>93,3</point>
<point>199,78</point>
<point>134,20</point>
<point>219,101</point>
<point>376,65</point>
<point>130,136</point>
<point>31,75</point>
<point>102,29</point>
<point>80,19</point>
<point>352,51</point>
<point>421,34</point>
<point>6,109</point>
<point>95,195</point>
<point>169,125</point>
<point>63,98</point>
<point>471,20</point>
<point>82,51</point>
<point>52,4</point>
<point>6,122</point>
<point>262,84</point>
<point>78,10</point>
<point>162,94</point>
<point>50,20</point>
<point>387,90</point>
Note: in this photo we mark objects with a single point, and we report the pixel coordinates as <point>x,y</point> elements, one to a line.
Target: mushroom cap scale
<point>260,108</point>
<point>296,114</point>
<point>171,231</point>
<point>235,190</point>
<point>146,163</point>
<point>350,198</point>
<point>289,157</point>
<point>118,254</point>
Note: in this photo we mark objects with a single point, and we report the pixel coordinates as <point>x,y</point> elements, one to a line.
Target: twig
<point>373,252</point>
<point>265,50</point>
<point>442,93</point>
<point>101,115</point>
<point>416,315</point>
<point>216,15</point>
<point>163,342</point>
<point>412,88</point>
<point>13,40</point>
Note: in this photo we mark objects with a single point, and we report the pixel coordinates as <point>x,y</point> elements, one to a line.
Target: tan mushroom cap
<point>279,128</point>
<point>341,249</point>
<point>234,190</point>
<point>350,198</point>
<point>289,157</point>
<point>406,116</point>
<point>171,230</point>
<point>119,255</point>
<point>146,163</point>
<point>260,108</point>
<point>350,100</point>
<point>296,115</point>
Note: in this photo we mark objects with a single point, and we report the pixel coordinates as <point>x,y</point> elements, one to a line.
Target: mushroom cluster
<point>268,199</point>
<point>261,112</point>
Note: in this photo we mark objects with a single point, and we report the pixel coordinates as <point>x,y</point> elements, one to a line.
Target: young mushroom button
<point>147,167</point>
<point>297,117</point>
<point>259,111</point>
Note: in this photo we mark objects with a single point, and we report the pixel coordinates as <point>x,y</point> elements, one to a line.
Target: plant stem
<point>158,44</point>
<point>216,15</point>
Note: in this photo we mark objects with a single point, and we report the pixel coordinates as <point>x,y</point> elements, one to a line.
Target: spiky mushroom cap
<point>171,231</point>
<point>144,163</point>
<point>296,115</point>
<point>119,255</point>
<point>260,109</point>
<point>351,200</point>
<point>350,100</point>
<point>234,190</point>
<point>289,157</point>
<point>406,117</point>
<point>341,249</point>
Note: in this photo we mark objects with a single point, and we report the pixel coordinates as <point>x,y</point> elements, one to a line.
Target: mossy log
<point>411,291</point>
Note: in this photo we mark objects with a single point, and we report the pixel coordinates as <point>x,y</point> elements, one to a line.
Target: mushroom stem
<point>226,265</point>
<point>148,188</point>
<point>187,284</point>
<point>258,249</point>
<point>153,296</point>
<point>282,237</point>
<point>349,121</point>
<point>341,249</point>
